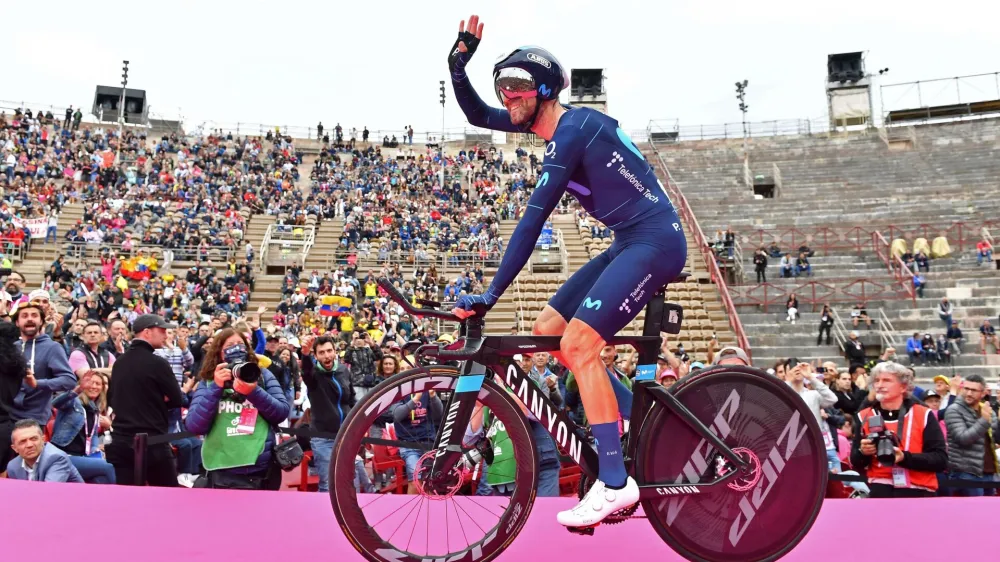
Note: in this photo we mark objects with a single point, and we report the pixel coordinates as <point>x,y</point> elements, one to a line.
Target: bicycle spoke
<point>414,528</point>
<point>421,498</point>
<point>461,525</point>
<point>395,511</point>
<point>470,516</point>
<point>470,498</point>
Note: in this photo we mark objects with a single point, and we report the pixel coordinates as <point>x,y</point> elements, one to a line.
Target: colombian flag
<point>334,305</point>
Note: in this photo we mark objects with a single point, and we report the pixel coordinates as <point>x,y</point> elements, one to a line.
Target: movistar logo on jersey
<point>592,305</point>
<point>544,90</point>
<point>542,180</point>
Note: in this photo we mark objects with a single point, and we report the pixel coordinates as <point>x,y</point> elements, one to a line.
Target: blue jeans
<point>94,470</point>
<point>410,457</point>
<point>969,492</point>
<point>188,455</point>
<point>987,255</point>
<point>832,460</point>
<point>322,451</point>
<point>548,480</point>
<point>51,231</point>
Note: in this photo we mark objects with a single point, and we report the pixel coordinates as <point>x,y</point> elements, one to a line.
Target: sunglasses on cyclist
<point>514,83</point>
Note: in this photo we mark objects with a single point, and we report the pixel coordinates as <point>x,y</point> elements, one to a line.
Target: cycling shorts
<point>609,291</point>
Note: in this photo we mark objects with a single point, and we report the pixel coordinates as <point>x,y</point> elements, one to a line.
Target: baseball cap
<point>147,321</point>
<point>730,351</point>
<point>667,373</point>
<point>38,294</point>
<point>942,378</point>
<point>930,394</point>
<point>661,357</point>
<point>24,305</point>
<point>695,365</point>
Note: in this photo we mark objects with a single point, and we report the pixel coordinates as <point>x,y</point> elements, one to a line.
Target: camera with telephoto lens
<point>245,371</point>
<point>884,440</point>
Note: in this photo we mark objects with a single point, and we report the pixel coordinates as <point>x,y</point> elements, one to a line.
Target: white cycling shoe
<point>599,503</point>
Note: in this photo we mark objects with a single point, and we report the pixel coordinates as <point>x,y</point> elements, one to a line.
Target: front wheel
<point>760,516</point>
<point>439,523</point>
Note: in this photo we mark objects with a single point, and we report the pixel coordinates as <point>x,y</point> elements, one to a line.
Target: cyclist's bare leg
<point>550,323</point>
<point>580,351</point>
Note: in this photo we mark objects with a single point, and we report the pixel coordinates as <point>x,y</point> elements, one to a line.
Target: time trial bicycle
<point>730,461</point>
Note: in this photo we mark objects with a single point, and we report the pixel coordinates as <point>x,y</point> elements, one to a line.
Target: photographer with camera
<point>362,356</point>
<point>971,445</point>
<point>236,406</point>
<point>901,459</point>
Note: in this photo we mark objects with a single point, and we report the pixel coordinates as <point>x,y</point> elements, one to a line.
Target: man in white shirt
<point>817,396</point>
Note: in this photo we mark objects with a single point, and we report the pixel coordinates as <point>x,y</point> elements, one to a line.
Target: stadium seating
<point>948,175</point>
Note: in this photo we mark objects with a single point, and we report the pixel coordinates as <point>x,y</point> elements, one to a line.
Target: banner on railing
<point>37,226</point>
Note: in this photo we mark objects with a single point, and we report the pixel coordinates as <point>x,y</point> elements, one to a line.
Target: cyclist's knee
<point>579,343</point>
<point>549,323</point>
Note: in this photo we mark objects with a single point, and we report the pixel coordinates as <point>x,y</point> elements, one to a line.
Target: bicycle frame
<point>496,356</point>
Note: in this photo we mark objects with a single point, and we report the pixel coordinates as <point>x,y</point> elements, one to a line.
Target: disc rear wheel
<point>760,514</point>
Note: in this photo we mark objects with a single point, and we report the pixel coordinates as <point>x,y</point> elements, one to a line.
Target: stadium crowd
<point>333,335</point>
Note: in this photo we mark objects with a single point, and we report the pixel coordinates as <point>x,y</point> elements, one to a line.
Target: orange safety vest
<point>911,439</point>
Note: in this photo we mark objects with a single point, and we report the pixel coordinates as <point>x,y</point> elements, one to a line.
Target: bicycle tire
<point>748,409</point>
<point>344,499</point>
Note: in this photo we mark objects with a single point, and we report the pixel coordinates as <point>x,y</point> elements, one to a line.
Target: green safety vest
<point>503,468</point>
<point>225,445</point>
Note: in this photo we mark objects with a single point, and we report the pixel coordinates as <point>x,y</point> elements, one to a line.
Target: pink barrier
<point>110,523</point>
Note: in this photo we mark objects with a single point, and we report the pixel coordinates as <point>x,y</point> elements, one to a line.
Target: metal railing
<point>776,174</point>
<point>735,130</point>
<point>684,209</point>
<point>444,261</point>
<point>285,236</point>
<point>849,290</point>
<point>738,261</point>
<point>839,330</point>
<point>747,175</point>
<point>85,251</point>
<point>961,235</point>
<point>13,251</point>
<point>886,331</point>
<point>519,298</point>
<point>895,265</point>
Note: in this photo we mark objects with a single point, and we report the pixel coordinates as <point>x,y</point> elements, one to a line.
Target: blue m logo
<point>593,305</point>
<point>544,90</point>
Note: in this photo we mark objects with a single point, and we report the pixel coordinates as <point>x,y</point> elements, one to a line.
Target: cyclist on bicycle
<point>590,156</point>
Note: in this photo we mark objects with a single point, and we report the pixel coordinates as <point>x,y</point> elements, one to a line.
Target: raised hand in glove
<point>465,46</point>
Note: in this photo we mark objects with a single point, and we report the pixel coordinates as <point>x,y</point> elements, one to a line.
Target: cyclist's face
<point>520,109</point>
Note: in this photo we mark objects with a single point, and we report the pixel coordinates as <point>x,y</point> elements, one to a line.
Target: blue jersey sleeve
<point>475,109</point>
<point>564,154</point>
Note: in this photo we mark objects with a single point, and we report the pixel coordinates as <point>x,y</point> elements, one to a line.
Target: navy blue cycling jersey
<point>591,157</point>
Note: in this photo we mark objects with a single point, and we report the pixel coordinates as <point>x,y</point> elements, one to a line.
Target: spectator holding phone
<point>817,396</point>
<point>362,356</point>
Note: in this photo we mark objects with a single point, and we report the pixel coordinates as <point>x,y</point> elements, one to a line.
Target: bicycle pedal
<point>585,531</point>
